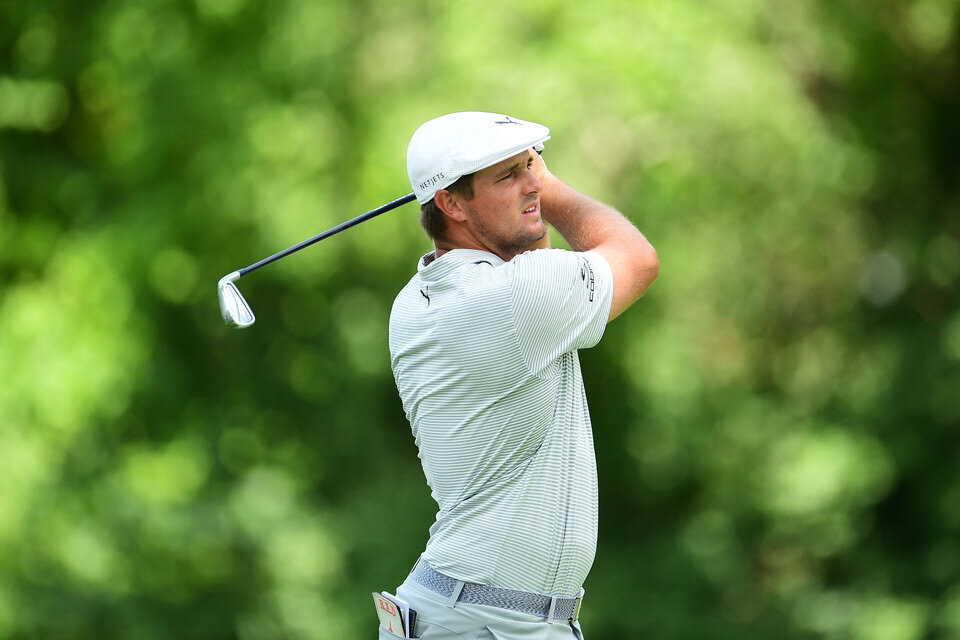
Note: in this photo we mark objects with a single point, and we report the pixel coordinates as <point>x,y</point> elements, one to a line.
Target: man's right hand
<point>539,167</point>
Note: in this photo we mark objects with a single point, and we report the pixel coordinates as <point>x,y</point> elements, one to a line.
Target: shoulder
<point>557,268</point>
<point>541,258</point>
<point>555,259</point>
<point>403,301</point>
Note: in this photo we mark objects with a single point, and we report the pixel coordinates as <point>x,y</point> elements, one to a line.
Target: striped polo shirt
<point>484,354</point>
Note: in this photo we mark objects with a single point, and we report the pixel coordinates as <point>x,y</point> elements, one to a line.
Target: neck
<point>440,250</point>
<point>442,246</point>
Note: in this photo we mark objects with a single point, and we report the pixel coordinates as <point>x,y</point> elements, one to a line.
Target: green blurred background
<point>776,422</point>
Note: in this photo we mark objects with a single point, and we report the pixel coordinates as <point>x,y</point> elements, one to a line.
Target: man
<point>483,345</point>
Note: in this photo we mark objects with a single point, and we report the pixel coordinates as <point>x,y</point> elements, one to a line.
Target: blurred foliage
<point>776,422</point>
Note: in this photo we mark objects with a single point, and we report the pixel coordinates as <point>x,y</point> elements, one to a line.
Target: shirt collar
<point>452,259</point>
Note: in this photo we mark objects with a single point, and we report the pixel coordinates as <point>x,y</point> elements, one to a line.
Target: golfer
<point>483,346</point>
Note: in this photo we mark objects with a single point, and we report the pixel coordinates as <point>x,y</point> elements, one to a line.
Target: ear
<point>450,204</point>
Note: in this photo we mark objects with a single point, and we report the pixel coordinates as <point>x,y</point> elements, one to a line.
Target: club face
<point>234,309</point>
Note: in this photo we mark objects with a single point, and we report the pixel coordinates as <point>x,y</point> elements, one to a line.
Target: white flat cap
<point>447,148</point>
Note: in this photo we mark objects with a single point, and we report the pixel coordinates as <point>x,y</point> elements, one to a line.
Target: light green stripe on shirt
<point>484,353</point>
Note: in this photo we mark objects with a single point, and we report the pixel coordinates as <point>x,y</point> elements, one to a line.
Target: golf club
<point>235,310</point>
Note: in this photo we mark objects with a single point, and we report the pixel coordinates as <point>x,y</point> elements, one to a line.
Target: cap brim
<point>462,170</point>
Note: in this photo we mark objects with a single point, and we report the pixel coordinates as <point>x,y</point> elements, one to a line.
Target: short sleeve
<point>560,302</point>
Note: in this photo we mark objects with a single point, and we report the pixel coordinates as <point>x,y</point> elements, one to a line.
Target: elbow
<point>652,266</point>
<point>647,266</point>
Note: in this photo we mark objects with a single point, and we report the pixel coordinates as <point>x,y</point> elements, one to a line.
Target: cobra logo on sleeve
<point>586,274</point>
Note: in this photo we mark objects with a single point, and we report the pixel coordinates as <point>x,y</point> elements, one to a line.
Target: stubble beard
<point>509,246</point>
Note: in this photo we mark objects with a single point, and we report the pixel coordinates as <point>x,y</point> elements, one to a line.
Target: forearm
<point>583,222</point>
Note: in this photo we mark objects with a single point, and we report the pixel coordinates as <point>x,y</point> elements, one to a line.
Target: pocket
<point>422,630</point>
<point>428,631</point>
<point>576,629</point>
<point>436,620</point>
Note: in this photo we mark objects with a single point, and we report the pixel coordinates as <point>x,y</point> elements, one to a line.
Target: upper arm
<point>634,265</point>
<point>560,302</point>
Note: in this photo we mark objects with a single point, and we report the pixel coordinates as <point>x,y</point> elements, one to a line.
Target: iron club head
<point>234,309</point>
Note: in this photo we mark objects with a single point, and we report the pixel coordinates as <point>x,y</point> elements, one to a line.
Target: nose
<point>533,183</point>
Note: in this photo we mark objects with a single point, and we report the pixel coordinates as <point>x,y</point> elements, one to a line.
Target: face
<point>504,214</point>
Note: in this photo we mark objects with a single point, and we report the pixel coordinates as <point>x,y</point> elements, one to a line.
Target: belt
<point>553,608</point>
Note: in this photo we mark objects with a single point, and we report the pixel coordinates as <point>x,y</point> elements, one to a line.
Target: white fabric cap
<point>447,148</point>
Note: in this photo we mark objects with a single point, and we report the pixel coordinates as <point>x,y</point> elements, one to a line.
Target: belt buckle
<point>576,606</point>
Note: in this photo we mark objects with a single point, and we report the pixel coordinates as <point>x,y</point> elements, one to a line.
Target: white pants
<point>438,620</point>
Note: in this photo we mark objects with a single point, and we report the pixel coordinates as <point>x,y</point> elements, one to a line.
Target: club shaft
<point>329,232</point>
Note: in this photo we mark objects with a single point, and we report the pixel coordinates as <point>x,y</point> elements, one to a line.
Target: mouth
<point>532,209</point>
